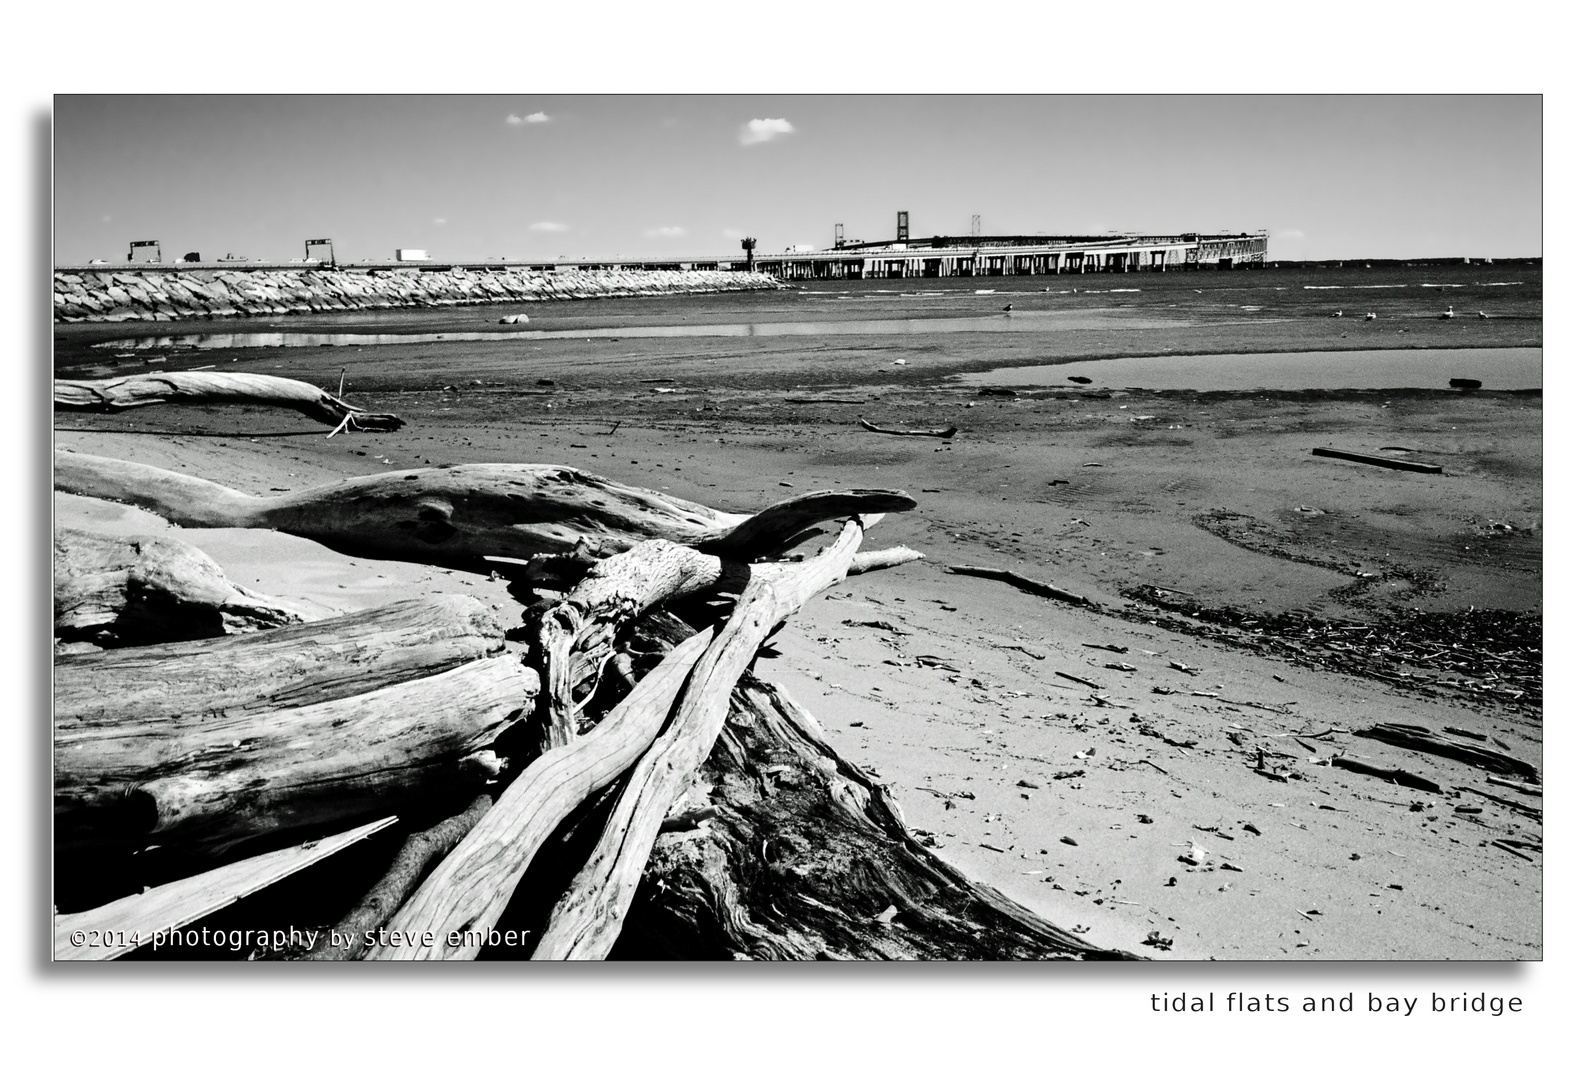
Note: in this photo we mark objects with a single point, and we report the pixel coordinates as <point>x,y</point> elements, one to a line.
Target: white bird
<point>1369,316</point>
<point>1449,313</point>
<point>1484,316</point>
<point>1336,314</point>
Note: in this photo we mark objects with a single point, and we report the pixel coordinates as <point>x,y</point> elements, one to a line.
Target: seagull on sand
<point>1336,314</point>
<point>1484,316</point>
<point>1448,313</point>
<point>1368,316</point>
<point>1010,307</point>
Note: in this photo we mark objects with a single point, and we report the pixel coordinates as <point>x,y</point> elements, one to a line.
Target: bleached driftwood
<point>108,931</point>
<point>208,780</point>
<point>278,669</point>
<point>575,638</point>
<point>135,590</point>
<point>468,891</point>
<point>473,885</point>
<point>459,515</point>
<point>941,433</point>
<point>587,920</point>
<point>216,388</point>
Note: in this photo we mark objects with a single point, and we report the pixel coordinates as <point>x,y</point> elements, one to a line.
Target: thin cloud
<point>549,226</point>
<point>665,230</point>
<point>761,131</point>
<point>438,221</point>
<point>528,118</point>
<point>734,234</point>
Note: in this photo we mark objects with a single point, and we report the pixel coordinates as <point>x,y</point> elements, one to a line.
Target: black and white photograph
<point>814,527</point>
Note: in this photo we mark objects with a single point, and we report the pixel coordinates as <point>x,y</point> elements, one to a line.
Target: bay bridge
<point>1021,255</point>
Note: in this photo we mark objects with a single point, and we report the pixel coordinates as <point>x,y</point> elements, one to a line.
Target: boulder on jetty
<point>159,295</point>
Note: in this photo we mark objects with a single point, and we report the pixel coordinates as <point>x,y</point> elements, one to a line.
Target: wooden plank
<point>125,924</point>
<point>1371,459</point>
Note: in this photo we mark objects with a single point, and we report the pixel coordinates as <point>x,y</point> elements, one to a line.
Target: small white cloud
<point>665,230</point>
<point>761,131</point>
<point>438,221</point>
<point>734,234</point>
<point>549,226</point>
<point>528,118</point>
<point>1289,234</point>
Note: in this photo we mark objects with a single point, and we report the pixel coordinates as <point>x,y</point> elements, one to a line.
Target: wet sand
<point>1211,498</point>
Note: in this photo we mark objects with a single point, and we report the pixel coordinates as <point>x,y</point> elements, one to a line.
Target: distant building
<point>413,255</point>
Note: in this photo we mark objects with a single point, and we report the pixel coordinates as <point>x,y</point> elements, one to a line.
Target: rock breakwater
<point>166,295</point>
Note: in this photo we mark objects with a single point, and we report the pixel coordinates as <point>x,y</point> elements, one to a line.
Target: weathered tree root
<point>116,591</point>
<point>216,388</point>
<point>800,855</point>
<point>460,515</point>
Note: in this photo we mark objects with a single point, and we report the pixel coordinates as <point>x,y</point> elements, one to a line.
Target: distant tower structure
<point>330,255</point>
<point>839,235</point>
<point>749,244</point>
<point>902,226</point>
<point>143,251</point>
<point>977,224</point>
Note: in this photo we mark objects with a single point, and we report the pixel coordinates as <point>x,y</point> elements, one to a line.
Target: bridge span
<point>1004,256</point>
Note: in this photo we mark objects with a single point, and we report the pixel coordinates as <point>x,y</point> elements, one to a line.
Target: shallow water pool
<point>1368,369</point>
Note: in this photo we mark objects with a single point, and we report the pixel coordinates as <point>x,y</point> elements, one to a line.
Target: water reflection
<point>1008,322</point>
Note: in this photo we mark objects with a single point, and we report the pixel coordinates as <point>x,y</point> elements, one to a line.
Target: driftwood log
<point>1414,737</point>
<point>457,516</point>
<point>116,591</point>
<point>469,890</point>
<point>216,388</point>
<point>472,887</point>
<point>130,922</point>
<point>941,433</point>
<point>575,638</point>
<point>587,920</point>
<point>1400,777</point>
<point>306,664</point>
<point>220,759</point>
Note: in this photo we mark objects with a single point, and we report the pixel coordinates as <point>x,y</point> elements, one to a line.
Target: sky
<point>542,177</point>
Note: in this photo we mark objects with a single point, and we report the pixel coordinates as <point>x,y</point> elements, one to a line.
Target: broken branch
<point>216,388</point>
